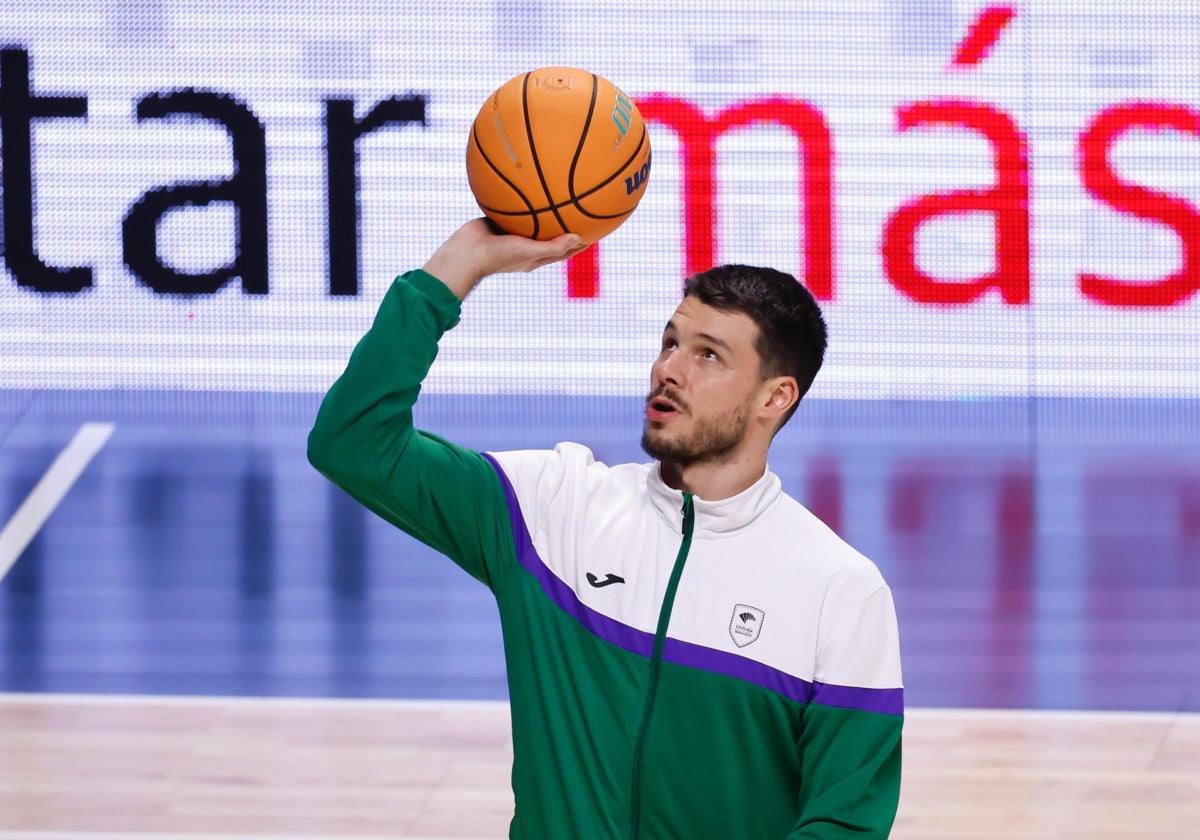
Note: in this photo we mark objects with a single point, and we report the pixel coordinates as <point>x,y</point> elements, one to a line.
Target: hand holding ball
<point>558,150</point>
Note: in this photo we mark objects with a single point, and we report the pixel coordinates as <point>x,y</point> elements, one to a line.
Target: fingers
<point>476,250</point>
<point>571,243</point>
<point>558,249</point>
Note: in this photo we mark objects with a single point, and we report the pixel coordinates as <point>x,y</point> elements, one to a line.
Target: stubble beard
<point>710,440</point>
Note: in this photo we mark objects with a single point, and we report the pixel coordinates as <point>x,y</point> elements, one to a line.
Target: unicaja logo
<point>746,624</point>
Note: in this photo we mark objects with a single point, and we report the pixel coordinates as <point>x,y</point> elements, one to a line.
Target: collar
<point>714,519</point>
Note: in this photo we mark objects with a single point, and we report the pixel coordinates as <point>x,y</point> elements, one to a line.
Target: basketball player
<point>690,652</point>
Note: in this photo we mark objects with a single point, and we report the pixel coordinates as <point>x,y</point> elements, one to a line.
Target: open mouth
<point>661,408</point>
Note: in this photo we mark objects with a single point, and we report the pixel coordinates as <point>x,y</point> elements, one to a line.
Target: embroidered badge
<point>746,624</point>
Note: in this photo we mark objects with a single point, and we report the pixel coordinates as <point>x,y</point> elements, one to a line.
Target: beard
<point>710,439</point>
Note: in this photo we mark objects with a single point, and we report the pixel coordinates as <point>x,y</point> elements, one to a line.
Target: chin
<point>660,446</point>
<point>653,443</point>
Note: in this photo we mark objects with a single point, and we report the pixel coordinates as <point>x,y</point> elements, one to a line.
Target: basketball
<point>558,150</point>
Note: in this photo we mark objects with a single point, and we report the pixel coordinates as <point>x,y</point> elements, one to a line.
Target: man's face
<point>702,385</point>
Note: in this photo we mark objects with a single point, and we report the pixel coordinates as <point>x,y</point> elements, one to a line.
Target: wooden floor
<point>84,767</point>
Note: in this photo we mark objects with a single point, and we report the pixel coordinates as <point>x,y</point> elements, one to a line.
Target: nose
<point>669,369</point>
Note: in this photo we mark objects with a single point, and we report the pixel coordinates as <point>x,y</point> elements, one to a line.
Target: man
<point>691,653</point>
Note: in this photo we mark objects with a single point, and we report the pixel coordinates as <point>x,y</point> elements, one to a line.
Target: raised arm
<point>363,438</point>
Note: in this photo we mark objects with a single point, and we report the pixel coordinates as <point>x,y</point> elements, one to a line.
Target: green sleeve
<point>850,761</point>
<point>363,440</point>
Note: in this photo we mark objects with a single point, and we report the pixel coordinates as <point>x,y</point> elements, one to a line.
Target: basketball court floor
<point>200,637</point>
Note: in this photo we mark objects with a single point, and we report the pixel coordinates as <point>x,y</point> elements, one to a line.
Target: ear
<point>780,393</point>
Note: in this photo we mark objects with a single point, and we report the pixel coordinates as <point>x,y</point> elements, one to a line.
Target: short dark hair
<point>791,331</point>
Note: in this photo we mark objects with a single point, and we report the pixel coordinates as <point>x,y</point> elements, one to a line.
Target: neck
<point>715,480</point>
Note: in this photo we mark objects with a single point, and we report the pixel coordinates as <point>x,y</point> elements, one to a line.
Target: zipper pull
<point>689,515</point>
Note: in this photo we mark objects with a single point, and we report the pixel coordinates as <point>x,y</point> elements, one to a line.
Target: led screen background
<point>1074,132</point>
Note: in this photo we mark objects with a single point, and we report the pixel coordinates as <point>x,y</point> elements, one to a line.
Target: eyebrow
<point>706,337</point>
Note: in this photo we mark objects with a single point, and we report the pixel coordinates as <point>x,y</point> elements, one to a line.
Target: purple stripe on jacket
<point>887,701</point>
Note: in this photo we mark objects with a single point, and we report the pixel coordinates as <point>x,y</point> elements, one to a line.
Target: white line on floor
<point>189,700</point>
<point>45,497</point>
<point>501,706</point>
<point>167,835</point>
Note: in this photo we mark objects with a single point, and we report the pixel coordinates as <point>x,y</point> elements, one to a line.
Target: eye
<point>710,354</point>
<point>669,343</point>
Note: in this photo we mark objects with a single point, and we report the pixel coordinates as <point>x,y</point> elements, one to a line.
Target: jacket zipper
<point>660,638</point>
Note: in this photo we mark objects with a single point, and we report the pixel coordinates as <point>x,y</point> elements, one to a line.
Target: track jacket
<point>679,669</point>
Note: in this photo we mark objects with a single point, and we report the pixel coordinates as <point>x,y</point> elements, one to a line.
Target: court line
<point>163,835</point>
<point>400,704</point>
<point>50,490</point>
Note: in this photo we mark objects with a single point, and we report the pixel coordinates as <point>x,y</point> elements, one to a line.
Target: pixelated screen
<point>989,200</point>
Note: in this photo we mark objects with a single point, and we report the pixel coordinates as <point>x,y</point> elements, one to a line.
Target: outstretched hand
<point>477,250</point>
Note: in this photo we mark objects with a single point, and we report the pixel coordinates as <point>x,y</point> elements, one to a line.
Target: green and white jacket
<point>678,668</point>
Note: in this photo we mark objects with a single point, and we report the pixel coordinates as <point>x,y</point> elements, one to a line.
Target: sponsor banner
<point>988,199</point>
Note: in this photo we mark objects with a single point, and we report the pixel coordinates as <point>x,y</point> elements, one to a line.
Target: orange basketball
<point>558,150</point>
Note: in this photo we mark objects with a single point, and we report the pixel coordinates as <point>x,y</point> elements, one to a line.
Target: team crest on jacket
<point>746,624</point>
